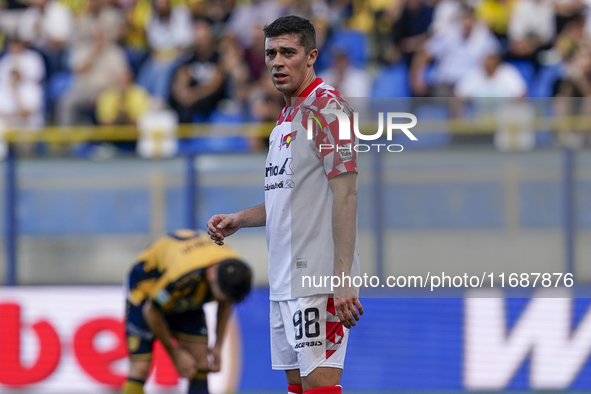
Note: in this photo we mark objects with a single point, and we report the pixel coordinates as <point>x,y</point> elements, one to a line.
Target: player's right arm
<point>224,225</point>
<point>183,361</point>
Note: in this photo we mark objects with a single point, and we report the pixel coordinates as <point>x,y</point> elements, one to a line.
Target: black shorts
<point>186,326</point>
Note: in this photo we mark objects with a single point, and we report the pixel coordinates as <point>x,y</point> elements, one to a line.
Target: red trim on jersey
<point>325,390</point>
<point>309,89</point>
<point>281,117</point>
<point>285,115</point>
<point>295,388</point>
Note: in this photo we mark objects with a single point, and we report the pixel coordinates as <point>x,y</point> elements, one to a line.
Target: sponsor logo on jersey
<point>345,152</point>
<point>287,139</point>
<point>288,184</point>
<point>285,169</point>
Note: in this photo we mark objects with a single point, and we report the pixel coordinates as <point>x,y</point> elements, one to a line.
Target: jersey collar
<point>306,92</point>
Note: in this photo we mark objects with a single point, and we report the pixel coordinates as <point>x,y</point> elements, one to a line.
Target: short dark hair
<point>292,24</point>
<point>234,279</point>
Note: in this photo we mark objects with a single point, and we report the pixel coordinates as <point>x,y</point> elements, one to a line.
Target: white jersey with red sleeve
<point>298,199</point>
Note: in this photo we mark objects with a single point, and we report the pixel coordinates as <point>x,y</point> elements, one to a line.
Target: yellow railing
<point>54,134</point>
<point>485,125</point>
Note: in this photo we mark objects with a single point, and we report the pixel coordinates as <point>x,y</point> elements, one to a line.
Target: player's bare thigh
<point>198,350</point>
<point>320,377</point>
<point>293,376</point>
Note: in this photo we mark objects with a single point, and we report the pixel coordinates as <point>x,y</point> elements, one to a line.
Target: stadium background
<point>79,204</point>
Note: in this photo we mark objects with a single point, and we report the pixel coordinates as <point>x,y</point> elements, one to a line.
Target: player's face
<point>287,62</point>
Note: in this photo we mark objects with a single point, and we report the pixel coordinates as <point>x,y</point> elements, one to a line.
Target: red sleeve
<point>337,156</point>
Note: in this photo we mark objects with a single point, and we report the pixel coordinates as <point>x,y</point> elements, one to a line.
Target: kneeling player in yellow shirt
<point>167,287</point>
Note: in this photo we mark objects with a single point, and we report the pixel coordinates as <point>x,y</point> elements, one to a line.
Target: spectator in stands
<point>170,34</point>
<point>123,103</point>
<point>410,31</point>
<point>573,91</point>
<point>99,15</point>
<point>456,52</point>
<point>567,10</point>
<point>349,80</point>
<point>250,14</point>
<point>573,48</point>
<point>218,12</point>
<point>343,12</point>
<point>254,54</point>
<point>134,40</point>
<point>569,100</point>
<point>496,14</point>
<point>572,45</point>
<point>500,89</point>
<point>47,26</point>
<point>236,69</point>
<point>12,4</point>
<point>494,78</point>
<point>265,102</point>
<point>96,66</point>
<point>308,9</point>
<point>21,92</point>
<point>531,28</point>
<point>198,84</point>
<point>446,15</point>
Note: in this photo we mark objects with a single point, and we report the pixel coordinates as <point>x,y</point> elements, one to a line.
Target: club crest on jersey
<point>287,139</point>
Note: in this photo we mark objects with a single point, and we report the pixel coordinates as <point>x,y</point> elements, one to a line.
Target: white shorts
<point>307,334</point>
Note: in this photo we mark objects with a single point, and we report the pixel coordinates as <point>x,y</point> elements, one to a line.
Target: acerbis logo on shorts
<point>308,344</point>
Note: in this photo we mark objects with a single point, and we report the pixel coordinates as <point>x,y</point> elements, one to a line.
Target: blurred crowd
<point>70,62</point>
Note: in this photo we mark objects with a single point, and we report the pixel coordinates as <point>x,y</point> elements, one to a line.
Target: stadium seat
<point>353,42</point>
<point>55,87</point>
<point>431,74</point>
<point>391,81</point>
<point>59,84</point>
<point>527,70</point>
<point>221,116</point>
<point>203,145</point>
<point>544,83</point>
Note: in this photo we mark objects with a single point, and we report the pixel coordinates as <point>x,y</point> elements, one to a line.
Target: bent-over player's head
<point>230,280</point>
<point>290,53</point>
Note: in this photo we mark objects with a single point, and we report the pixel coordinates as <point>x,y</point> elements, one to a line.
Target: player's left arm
<point>184,362</point>
<point>344,229</point>
<point>224,309</point>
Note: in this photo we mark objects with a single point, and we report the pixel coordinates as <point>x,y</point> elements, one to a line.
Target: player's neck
<point>308,80</point>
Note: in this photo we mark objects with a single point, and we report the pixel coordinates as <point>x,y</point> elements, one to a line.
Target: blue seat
<point>55,88</point>
<point>391,81</point>
<point>219,116</point>
<point>212,145</point>
<point>543,87</point>
<point>527,70</point>
<point>59,84</point>
<point>353,42</point>
<point>547,77</point>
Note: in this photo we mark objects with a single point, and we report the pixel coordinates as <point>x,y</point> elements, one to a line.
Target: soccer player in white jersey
<point>310,213</point>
